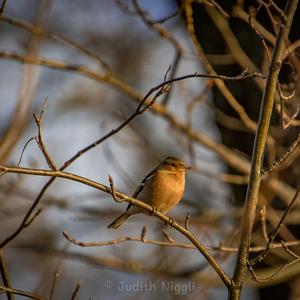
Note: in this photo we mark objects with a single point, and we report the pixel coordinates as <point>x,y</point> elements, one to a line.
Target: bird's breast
<point>164,190</point>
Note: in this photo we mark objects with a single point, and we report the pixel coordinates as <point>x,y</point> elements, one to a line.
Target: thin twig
<point>172,243</point>
<point>23,150</point>
<point>2,7</point>
<point>238,12</point>
<point>74,295</point>
<point>39,139</point>
<point>187,220</point>
<point>168,237</point>
<point>154,26</point>
<point>36,214</point>
<point>274,275</point>
<point>143,233</point>
<point>112,189</point>
<point>279,162</point>
<point>56,275</point>
<point>263,218</point>
<point>276,230</point>
<point>20,292</point>
<point>289,251</point>
<point>5,277</point>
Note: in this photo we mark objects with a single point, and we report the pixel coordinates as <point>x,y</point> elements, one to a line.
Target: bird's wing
<point>141,186</point>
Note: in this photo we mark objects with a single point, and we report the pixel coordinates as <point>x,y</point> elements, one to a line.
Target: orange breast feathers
<point>171,187</point>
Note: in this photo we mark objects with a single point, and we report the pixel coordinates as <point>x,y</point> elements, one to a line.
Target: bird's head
<point>174,164</point>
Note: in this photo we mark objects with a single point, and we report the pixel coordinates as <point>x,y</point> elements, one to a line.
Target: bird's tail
<point>119,220</point>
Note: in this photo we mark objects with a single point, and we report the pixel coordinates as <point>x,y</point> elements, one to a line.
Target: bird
<point>162,188</point>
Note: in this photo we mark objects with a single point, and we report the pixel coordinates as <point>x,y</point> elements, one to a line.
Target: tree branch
<point>57,173</point>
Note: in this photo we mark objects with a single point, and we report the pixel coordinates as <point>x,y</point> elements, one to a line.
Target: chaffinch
<point>162,188</point>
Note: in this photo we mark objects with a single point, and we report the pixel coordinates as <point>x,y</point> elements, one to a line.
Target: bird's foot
<point>153,211</point>
<point>171,221</point>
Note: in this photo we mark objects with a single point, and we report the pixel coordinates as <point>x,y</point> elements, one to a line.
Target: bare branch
<point>263,218</point>
<point>282,159</point>
<point>187,220</point>
<point>2,6</point>
<point>56,275</point>
<point>20,292</point>
<point>274,275</point>
<point>143,233</point>
<point>154,26</point>
<point>5,277</point>
<point>39,139</point>
<point>289,251</point>
<point>112,189</point>
<point>36,214</point>
<point>262,256</point>
<point>23,150</point>
<point>74,295</point>
<point>172,243</point>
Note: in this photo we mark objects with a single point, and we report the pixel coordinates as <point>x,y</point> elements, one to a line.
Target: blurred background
<point>94,61</point>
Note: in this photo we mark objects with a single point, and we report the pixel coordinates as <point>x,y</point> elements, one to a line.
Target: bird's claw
<point>171,221</point>
<point>153,211</point>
